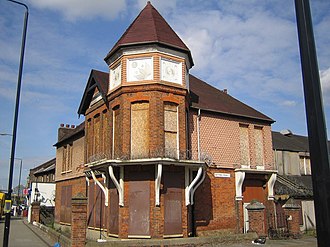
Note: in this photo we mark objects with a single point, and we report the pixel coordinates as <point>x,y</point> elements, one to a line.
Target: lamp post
<point>13,146</point>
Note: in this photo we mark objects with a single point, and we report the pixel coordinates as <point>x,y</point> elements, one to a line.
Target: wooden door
<point>173,204</point>
<point>139,208</point>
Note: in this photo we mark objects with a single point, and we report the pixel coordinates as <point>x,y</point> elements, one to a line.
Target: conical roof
<point>147,28</point>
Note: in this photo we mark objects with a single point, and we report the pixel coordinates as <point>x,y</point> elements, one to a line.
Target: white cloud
<point>325,83</point>
<point>241,53</point>
<point>87,9</point>
<point>289,103</point>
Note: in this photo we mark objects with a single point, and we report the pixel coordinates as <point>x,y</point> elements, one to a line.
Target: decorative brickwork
<point>220,139</point>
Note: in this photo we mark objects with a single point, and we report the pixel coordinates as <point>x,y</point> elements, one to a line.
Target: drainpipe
<point>198,134</point>
<point>190,190</point>
<point>157,183</point>
<point>197,185</point>
<point>191,186</point>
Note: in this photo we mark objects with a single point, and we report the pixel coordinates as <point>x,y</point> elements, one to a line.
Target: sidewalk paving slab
<point>38,235</point>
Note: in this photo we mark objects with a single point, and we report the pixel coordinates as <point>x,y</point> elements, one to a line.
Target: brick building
<point>41,185</point>
<point>69,175</point>
<point>294,180</point>
<point>166,154</point>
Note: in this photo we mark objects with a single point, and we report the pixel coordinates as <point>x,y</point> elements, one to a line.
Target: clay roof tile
<point>150,27</point>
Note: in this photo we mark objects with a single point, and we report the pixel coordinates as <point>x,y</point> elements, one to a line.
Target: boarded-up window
<point>259,146</point>
<point>64,156</point>
<point>65,210</point>
<point>67,158</point>
<point>140,130</point>
<point>244,144</point>
<point>97,131</point>
<point>171,130</point>
<point>116,133</point>
<point>291,161</point>
<point>305,165</point>
<point>105,133</point>
<point>89,139</point>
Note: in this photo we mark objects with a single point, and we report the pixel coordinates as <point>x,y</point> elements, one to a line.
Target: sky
<point>249,48</point>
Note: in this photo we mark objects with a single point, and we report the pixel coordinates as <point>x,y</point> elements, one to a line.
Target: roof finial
<point>148,2</point>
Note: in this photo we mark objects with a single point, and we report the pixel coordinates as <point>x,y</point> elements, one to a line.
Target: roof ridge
<point>153,19</point>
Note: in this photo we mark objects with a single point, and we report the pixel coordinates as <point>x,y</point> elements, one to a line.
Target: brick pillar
<point>256,213</point>
<point>35,212</point>
<point>291,210</point>
<point>78,221</point>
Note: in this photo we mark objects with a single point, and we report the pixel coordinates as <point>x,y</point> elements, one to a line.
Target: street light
<point>13,146</point>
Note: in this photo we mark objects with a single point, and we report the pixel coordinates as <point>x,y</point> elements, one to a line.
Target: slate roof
<point>207,97</point>
<point>292,142</point>
<point>97,79</point>
<point>294,186</point>
<point>150,27</point>
<point>45,167</point>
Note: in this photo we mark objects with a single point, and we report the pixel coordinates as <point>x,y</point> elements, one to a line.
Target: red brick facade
<point>156,165</point>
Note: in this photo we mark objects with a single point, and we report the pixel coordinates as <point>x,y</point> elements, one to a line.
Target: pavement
<point>24,234</point>
<point>304,242</point>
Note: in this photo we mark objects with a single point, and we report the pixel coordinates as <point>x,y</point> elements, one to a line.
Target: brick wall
<point>215,202</point>
<point>77,154</point>
<point>99,121</point>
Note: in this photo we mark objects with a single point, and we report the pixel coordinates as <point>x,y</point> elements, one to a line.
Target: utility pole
<point>317,135</point>
<point>13,146</point>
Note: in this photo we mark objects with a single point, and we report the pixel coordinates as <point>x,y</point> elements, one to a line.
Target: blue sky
<point>248,47</point>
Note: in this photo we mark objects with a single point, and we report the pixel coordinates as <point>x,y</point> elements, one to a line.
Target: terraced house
<point>165,153</point>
